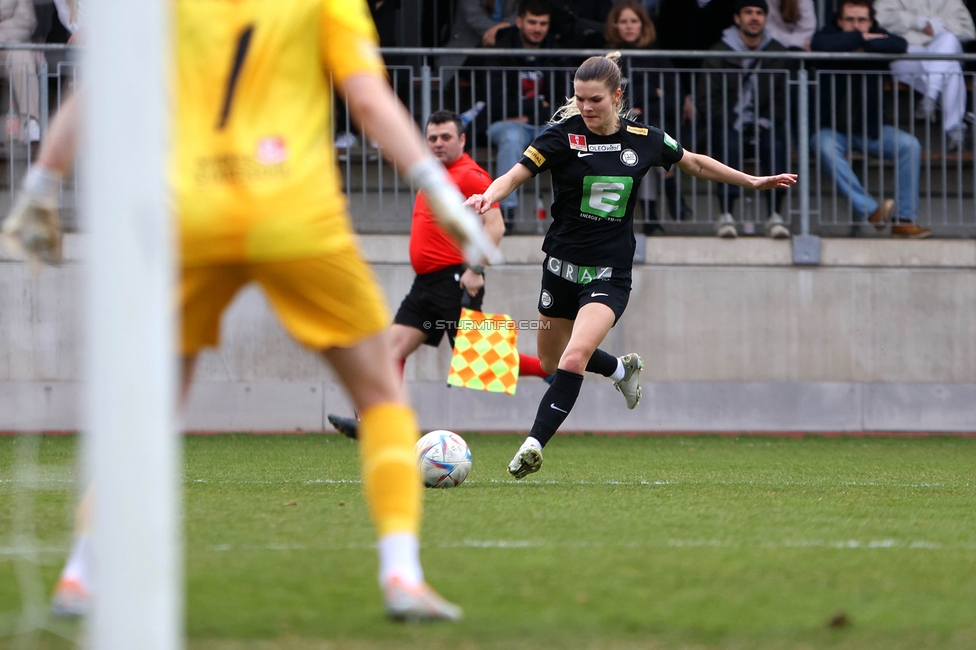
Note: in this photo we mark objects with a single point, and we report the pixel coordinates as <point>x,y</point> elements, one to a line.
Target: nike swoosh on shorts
<point>594,295</point>
<point>553,406</point>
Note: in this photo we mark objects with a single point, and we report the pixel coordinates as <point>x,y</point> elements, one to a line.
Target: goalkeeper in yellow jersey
<point>258,199</point>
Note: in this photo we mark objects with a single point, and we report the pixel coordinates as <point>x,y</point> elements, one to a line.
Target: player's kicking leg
<point>570,347</point>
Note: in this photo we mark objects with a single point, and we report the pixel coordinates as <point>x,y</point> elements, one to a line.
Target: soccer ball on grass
<point>444,458</point>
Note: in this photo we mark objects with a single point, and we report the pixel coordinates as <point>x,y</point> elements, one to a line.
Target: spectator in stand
<point>70,15</point>
<point>752,123</point>
<point>477,23</point>
<point>520,107</point>
<point>849,109</point>
<point>579,23</point>
<point>693,24</point>
<point>384,14</point>
<point>651,96</point>
<point>17,24</point>
<point>792,22</point>
<point>933,27</point>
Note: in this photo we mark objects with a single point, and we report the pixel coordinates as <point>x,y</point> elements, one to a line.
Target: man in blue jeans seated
<point>519,90</point>
<point>850,105</point>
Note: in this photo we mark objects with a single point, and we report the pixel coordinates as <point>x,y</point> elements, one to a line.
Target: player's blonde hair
<point>605,69</point>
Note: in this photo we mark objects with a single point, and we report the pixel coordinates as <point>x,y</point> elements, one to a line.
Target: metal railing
<point>382,202</point>
<point>679,203</point>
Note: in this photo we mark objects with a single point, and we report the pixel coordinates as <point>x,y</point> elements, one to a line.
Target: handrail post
<point>43,91</point>
<point>426,86</point>
<point>806,248</point>
<point>803,148</point>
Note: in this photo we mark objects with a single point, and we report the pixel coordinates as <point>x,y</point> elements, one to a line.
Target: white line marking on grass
<point>329,481</point>
<point>671,543</point>
<point>693,543</point>
<point>501,481</point>
<point>553,482</point>
<point>471,543</point>
<point>28,550</point>
<point>314,481</point>
<point>928,545</point>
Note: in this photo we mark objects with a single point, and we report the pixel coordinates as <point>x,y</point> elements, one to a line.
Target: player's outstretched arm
<point>709,169</point>
<point>500,188</point>
<point>32,230</point>
<point>384,119</point>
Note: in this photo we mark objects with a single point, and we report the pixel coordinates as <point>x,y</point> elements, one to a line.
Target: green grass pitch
<point>619,542</point>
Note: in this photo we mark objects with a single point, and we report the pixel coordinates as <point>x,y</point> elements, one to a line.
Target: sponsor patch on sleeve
<point>671,142</point>
<point>533,154</point>
<point>639,130</point>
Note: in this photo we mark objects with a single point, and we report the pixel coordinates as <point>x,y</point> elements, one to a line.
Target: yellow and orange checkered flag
<point>485,354</point>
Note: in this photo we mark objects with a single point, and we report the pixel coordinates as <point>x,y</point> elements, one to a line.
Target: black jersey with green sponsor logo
<point>594,182</point>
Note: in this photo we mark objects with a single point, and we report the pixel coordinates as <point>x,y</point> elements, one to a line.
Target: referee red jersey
<point>432,249</point>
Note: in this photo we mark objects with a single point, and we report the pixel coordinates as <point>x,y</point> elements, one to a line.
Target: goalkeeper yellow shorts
<point>323,302</point>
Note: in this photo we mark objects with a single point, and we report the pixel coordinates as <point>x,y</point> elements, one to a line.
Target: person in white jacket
<point>792,22</point>
<point>935,27</point>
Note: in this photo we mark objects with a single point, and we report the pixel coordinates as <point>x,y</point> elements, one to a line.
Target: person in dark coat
<point>746,109</point>
<point>851,103</point>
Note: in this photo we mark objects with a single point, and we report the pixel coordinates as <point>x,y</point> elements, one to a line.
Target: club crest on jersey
<point>629,157</point>
<point>271,150</point>
<point>577,142</point>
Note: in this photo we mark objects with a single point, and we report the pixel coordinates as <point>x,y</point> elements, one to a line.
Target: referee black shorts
<point>562,298</point>
<point>434,304</point>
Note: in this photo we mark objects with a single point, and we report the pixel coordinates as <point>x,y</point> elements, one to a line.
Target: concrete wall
<point>882,336</point>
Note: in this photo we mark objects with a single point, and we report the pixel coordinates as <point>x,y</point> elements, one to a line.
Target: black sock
<point>602,363</point>
<point>556,405</point>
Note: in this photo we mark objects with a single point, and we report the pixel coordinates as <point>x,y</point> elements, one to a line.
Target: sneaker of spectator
<point>926,110</point>
<point>346,140</point>
<point>726,226</point>
<point>776,227</point>
<point>909,230</point>
<point>956,139</point>
<point>32,130</point>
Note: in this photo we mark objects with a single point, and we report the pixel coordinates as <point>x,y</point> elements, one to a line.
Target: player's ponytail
<point>606,70</point>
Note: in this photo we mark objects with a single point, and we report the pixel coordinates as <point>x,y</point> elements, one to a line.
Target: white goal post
<point>131,444</point>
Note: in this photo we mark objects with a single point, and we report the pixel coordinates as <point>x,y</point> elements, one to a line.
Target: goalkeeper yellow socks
<point>387,435</point>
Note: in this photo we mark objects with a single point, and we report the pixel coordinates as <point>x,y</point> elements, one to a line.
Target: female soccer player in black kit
<point>597,158</point>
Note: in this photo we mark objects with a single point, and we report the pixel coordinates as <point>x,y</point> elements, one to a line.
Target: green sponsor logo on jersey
<point>671,142</point>
<point>606,196</point>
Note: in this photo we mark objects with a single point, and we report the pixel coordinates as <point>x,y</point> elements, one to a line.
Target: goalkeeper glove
<point>458,220</point>
<point>32,230</point>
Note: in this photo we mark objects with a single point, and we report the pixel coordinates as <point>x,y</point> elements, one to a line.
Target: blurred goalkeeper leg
<point>73,591</point>
<point>72,594</point>
<point>387,435</point>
